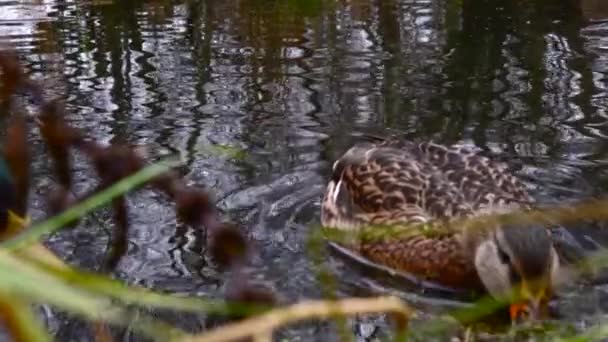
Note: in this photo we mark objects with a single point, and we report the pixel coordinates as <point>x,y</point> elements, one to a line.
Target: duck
<point>397,182</point>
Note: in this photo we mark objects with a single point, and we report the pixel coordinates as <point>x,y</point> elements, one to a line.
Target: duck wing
<point>403,182</point>
<point>396,182</point>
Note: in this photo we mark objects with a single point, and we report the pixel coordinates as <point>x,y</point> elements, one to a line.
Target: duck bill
<point>532,310</point>
<point>518,311</point>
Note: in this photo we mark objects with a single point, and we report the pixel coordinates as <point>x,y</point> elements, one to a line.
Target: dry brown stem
<point>260,327</point>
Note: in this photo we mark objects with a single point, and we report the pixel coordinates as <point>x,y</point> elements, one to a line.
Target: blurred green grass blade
<point>596,333</point>
<point>145,297</point>
<point>21,321</point>
<point>34,233</point>
<point>22,280</point>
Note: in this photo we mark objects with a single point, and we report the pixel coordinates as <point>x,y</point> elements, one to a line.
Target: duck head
<point>519,264</point>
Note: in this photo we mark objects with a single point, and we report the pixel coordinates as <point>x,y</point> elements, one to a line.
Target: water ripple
<point>290,86</point>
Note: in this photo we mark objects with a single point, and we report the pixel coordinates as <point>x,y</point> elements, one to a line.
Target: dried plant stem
<point>38,253</point>
<point>263,337</point>
<point>262,326</point>
<point>20,321</point>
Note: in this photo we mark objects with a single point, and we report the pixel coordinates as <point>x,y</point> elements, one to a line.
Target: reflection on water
<point>292,83</point>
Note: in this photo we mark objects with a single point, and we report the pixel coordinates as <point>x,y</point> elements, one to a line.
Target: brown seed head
<point>116,162</point>
<point>192,205</point>
<point>12,74</point>
<point>227,244</point>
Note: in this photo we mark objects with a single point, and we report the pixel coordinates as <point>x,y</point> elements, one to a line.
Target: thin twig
<point>264,324</point>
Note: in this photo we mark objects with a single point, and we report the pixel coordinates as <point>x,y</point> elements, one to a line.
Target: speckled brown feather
<point>398,182</point>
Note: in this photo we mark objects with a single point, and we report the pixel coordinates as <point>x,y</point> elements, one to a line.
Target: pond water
<point>292,84</point>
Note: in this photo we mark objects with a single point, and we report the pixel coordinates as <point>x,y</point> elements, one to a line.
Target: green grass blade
<point>22,280</point>
<point>144,297</point>
<point>34,233</point>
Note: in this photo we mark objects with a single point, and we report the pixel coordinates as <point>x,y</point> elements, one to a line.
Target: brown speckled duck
<point>395,182</point>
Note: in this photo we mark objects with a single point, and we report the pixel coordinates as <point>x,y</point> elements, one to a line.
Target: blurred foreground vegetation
<point>25,264</point>
<point>32,275</point>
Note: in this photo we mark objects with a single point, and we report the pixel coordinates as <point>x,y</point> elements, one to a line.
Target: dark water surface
<point>292,84</point>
